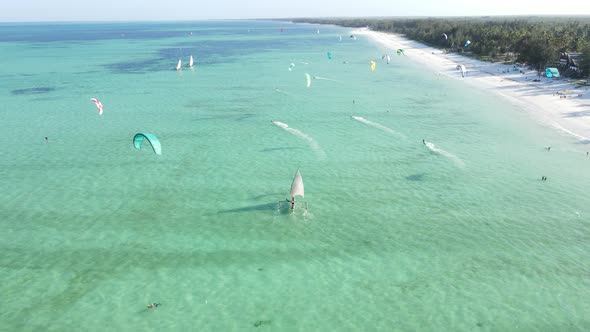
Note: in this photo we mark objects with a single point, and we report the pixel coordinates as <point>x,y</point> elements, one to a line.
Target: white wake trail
<point>324,79</point>
<point>379,126</point>
<point>312,143</point>
<point>283,92</point>
<point>442,152</point>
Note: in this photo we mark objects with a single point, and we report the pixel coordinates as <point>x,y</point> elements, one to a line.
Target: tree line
<point>536,41</point>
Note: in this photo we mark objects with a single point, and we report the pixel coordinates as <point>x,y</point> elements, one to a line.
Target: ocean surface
<point>457,234</point>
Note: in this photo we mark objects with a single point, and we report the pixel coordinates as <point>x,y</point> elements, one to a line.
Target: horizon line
<point>303,18</point>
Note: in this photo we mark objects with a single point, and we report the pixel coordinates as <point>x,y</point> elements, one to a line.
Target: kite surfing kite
<point>98,105</point>
<point>373,65</point>
<point>291,66</point>
<point>153,140</point>
<point>445,36</point>
<point>330,55</point>
<point>400,52</point>
<point>467,43</point>
<point>387,57</point>
<point>308,79</point>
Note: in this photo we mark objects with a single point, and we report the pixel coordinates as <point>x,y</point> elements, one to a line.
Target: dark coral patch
<point>32,91</point>
<point>415,177</point>
<point>262,322</point>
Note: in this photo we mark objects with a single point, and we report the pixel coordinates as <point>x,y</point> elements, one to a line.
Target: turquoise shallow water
<point>398,236</point>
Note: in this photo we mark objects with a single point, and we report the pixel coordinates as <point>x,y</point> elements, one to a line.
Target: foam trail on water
<point>324,78</point>
<point>580,137</point>
<point>376,125</point>
<point>312,143</point>
<point>283,91</point>
<point>442,152</point>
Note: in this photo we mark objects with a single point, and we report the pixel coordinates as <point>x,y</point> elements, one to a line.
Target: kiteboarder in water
<point>296,189</point>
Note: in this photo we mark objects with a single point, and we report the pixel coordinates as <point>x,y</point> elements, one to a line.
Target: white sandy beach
<point>570,114</point>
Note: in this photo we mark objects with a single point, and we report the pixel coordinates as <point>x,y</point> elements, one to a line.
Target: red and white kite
<point>98,105</point>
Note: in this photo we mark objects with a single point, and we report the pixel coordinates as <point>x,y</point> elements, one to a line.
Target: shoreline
<point>568,111</point>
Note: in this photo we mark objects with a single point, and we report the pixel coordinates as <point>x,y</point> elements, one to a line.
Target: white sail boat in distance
<point>297,189</point>
<point>179,65</point>
<point>190,61</point>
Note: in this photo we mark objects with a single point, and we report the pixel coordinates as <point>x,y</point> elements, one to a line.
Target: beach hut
<point>552,72</point>
<point>571,59</point>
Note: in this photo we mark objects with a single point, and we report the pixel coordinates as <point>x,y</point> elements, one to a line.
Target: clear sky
<point>134,10</point>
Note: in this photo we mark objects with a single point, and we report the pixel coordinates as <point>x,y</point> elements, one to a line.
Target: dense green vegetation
<point>537,41</point>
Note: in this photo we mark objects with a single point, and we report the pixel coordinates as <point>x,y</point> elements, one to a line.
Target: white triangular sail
<point>190,61</point>
<point>179,65</point>
<point>297,185</point>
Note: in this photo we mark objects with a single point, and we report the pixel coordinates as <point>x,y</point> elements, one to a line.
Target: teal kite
<point>154,142</point>
<point>329,55</point>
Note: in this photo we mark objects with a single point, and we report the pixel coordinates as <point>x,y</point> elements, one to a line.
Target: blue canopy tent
<point>552,72</point>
